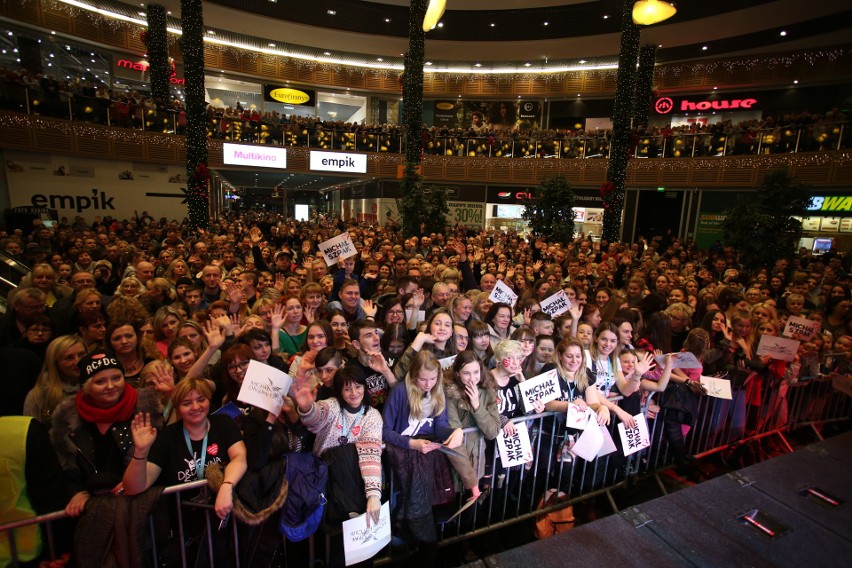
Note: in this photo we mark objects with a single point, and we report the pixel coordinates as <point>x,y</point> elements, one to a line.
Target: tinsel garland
<point>192,43</point>
<point>644,84</point>
<point>158,52</point>
<point>620,145</point>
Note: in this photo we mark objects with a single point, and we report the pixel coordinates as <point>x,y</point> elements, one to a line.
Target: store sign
<point>665,105</point>
<point>143,66</point>
<point>338,162</point>
<point>287,95</point>
<point>257,156</point>
<point>831,203</point>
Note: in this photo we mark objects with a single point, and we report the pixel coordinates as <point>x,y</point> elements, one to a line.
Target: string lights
<point>644,84</point>
<point>158,51</point>
<point>612,192</point>
<point>198,176</point>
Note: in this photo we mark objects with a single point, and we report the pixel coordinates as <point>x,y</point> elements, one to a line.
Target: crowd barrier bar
<point>760,407</point>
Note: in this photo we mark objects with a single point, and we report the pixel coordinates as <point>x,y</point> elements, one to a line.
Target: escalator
<point>12,269</point>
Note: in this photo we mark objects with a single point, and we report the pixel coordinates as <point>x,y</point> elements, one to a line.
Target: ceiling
<point>264,179</point>
<point>540,32</point>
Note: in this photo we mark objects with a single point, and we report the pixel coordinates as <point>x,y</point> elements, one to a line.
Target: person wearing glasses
<point>26,303</point>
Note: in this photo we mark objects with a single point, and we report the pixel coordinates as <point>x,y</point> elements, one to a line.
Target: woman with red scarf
<point>91,432</point>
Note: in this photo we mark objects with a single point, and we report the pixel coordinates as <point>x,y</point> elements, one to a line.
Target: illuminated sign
<point>287,95</point>
<point>338,162</point>
<point>665,105</point>
<point>258,156</point>
<point>143,66</point>
<point>831,203</point>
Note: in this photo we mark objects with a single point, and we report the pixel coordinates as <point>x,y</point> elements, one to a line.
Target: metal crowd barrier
<point>760,406</point>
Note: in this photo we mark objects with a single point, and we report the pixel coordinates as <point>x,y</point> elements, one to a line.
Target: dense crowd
<point>129,340</point>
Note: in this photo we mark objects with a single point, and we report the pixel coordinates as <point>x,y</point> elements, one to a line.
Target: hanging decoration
<point>198,176</point>
<point>156,39</point>
<point>644,84</point>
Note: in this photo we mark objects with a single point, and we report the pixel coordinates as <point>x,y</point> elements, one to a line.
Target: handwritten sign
<point>778,347</point>
<point>265,387</point>
<point>556,304</point>
<point>515,450</point>
<point>504,294</point>
<point>361,543</point>
<point>542,388</point>
<point>447,362</point>
<point>608,445</point>
<point>682,360</point>
<point>578,419</point>
<point>717,388</point>
<point>337,247</point>
<point>800,328</point>
<point>634,439</point>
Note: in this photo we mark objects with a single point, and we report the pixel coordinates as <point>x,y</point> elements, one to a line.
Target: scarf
<point>122,411</point>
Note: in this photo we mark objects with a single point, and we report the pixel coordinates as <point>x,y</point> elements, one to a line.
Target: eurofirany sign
<point>665,105</point>
<point>257,156</point>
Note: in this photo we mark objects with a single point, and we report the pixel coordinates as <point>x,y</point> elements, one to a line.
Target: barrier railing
<point>823,136</point>
<point>760,406</point>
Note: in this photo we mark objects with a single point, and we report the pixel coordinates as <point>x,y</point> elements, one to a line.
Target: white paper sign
<point>800,328</point>
<point>338,247</point>
<point>515,450</point>
<point>544,388</point>
<point>717,388</point>
<point>778,347</point>
<point>588,444</point>
<point>578,419</point>
<point>634,439</point>
<point>361,543</point>
<point>504,294</point>
<point>447,362</point>
<point>681,360</point>
<point>608,445</point>
<point>264,386</point>
<point>557,304</point>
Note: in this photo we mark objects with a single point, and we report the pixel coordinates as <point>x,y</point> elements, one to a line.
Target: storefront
<point>504,209</point>
<point>829,223</point>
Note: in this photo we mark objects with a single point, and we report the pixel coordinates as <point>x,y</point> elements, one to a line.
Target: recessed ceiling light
<point>331,12</point>
<point>379,59</point>
<point>714,88</point>
<point>546,23</point>
<point>387,20</point>
<point>527,64</point>
<point>660,45</point>
<point>796,82</point>
<point>783,33</point>
<point>440,24</point>
<point>606,16</point>
<point>582,61</point>
<point>271,45</point>
<point>578,94</point>
<point>211,32</point>
<point>493,25</point>
<point>142,14</point>
<point>704,48</point>
<point>477,64</point>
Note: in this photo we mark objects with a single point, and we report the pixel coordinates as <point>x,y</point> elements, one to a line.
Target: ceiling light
<point>211,32</point>
<point>546,23</point>
<point>379,59</point>
<point>477,64</point>
<point>387,20</point>
<point>440,24</point>
<point>606,16</point>
<point>428,63</point>
<point>796,82</point>
<point>527,64</point>
<point>578,94</point>
<point>326,53</point>
<point>714,88</point>
<point>331,12</point>
<point>783,33</point>
<point>704,48</point>
<point>582,61</point>
<point>647,12</point>
<point>433,13</point>
<point>493,25</point>
<point>271,45</point>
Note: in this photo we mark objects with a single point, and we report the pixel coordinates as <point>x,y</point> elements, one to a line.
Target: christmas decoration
<point>644,84</point>
<point>158,52</point>
<point>198,177</point>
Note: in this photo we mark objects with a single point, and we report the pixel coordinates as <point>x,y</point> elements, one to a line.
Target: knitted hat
<point>96,361</point>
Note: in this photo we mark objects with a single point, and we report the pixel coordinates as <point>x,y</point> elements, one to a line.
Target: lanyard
<point>199,463</point>
<point>345,433</point>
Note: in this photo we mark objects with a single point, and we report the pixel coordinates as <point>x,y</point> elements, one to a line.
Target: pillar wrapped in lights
<point>158,52</point>
<point>412,114</point>
<point>612,192</point>
<point>644,84</point>
<point>198,177</point>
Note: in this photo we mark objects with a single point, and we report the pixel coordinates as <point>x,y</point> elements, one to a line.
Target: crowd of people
<point>86,100</point>
<point>129,340</point>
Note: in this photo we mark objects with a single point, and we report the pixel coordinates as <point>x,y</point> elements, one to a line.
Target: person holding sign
<point>437,339</point>
<point>471,401</point>
<point>415,425</point>
<point>680,401</point>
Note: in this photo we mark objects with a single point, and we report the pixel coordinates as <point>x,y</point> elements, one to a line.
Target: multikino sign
<point>257,156</point>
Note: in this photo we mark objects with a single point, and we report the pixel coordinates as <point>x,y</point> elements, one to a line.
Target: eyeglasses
<point>241,366</point>
<point>395,312</point>
<point>464,338</point>
<point>39,330</point>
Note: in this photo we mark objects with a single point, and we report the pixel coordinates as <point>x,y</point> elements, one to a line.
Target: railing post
<point>840,138</point>
<point>759,142</point>
<point>798,138</point>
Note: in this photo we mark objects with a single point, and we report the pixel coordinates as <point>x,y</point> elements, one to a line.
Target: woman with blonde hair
<point>58,379</point>
<point>44,278</point>
<point>177,269</point>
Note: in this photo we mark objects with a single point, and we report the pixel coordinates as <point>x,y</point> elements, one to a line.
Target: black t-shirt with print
<point>170,453</point>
